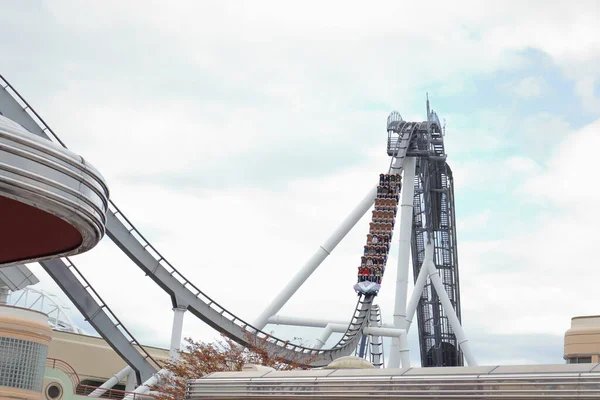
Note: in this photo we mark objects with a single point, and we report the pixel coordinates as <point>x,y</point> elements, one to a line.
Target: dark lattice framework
<point>434,185</point>
<point>434,217</point>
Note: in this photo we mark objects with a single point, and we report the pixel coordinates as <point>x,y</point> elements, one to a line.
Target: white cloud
<point>567,32</point>
<point>586,88</point>
<point>541,275</point>
<point>528,87</point>
<point>541,133</point>
<point>476,221</point>
<point>502,174</point>
<point>568,181</point>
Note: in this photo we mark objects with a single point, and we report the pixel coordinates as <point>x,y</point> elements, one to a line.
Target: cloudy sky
<point>237,136</point>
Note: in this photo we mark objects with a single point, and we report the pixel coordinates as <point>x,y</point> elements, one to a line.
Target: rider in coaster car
<point>385,240</point>
<point>362,273</point>
<point>365,273</point>
<point>372,227</point>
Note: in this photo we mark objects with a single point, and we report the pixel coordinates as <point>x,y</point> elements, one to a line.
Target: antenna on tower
<point>428,114</point>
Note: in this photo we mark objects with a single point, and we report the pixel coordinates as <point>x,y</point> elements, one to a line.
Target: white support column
<point>317,258</point>
<point>176,332</point>
<point>131,382</point>
<point>419,286</point>
<point>404,352</point>
<point>428,269</point>
<point>145,387</point>
<point>394,333</point>
<point>461,338</point>
<point>404,238</point>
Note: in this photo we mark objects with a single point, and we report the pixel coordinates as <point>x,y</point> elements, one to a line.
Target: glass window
<point>579,360</point>
<point>22,364</point>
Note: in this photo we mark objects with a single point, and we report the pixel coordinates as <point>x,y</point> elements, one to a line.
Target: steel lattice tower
<point>434,190</point>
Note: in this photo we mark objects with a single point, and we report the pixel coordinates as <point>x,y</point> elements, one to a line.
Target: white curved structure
<point>53,202</point>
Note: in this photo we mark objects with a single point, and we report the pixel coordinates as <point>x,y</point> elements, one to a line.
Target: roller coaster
<point>427,230</point>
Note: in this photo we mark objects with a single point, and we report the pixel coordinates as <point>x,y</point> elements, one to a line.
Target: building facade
<point>24,339</point>
<point>582,341</point>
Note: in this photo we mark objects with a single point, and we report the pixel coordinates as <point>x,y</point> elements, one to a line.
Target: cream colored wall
<point>23,324</point>
<point>583,339</point>
<point>17,394</point>
<point>91,357</point>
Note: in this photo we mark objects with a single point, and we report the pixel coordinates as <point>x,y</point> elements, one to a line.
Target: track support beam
<point>428,269</point>
<point>320,255</point>
<point>176,332</point>
<point>404,237</point>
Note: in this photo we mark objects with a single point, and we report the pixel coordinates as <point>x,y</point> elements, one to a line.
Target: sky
<point>237,136</point>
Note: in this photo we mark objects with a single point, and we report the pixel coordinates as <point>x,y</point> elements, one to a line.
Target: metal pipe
<point>387,332</point>
<point>317,258</point>
<point>329,329</point>
<point>461,338</point>
<point>309,322</point>
<point>300,321</point>
<point>176,332</point>
<point>116,378</point>
<point>145,387</point>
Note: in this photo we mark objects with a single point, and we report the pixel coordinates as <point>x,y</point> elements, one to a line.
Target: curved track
<point>181,290</point>
<point>376,342</point>
<point>184,293</point>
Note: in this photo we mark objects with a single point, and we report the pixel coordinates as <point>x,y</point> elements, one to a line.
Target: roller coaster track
<point>376,342</point>
<point>129,239</point>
